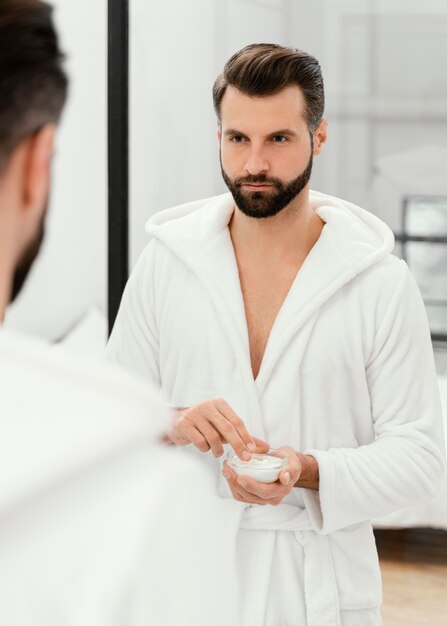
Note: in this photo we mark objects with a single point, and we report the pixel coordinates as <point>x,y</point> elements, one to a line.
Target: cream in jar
<point>264,468</point>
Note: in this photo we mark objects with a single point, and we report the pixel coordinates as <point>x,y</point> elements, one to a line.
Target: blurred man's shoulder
<point>47,384</point>
<point>61,415</point>
<point>38,368</point>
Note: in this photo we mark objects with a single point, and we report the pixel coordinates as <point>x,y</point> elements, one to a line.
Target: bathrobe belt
<point>320,587</point>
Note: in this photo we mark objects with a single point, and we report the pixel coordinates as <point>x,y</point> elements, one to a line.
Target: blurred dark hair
<point>265,69</point>
<point>33,84</point>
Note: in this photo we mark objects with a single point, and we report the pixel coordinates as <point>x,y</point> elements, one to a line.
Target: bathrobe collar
<point>351,241</point>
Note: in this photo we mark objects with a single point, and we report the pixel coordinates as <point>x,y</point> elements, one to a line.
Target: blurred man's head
<point>269,102</point>
<point>33,89</point>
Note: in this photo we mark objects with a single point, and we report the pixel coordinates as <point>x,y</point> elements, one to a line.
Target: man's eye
<point>237,139</point>
<point>279,139</point>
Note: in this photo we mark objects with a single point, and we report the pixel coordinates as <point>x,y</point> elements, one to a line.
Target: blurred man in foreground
<point>88,530</point>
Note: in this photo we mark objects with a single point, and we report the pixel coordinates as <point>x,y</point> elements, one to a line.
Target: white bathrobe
<point>93,530</point>
<point>347,376</point>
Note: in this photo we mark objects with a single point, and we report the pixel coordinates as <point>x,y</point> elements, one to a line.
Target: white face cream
<point>264,468</point>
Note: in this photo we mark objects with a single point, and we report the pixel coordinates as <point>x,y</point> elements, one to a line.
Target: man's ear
<point>320,136</point>
<point>219,133</point>
<point>37,173</point>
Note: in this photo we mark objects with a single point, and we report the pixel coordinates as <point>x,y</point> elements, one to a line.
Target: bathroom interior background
<point>386,90</point>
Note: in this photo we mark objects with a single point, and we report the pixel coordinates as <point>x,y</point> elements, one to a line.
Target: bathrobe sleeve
<point>133,344</point>
<point>405,463</point>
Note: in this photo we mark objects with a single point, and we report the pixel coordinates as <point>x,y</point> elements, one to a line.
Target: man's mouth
<point>257,186</point>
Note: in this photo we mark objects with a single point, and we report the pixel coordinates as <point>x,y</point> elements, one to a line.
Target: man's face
<point>265,149</point>
<point>28,257</point>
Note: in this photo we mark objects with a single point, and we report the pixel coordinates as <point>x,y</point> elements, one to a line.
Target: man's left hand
<point>246,489</point>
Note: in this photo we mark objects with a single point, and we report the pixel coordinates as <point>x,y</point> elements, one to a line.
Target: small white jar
<point>265,468</point>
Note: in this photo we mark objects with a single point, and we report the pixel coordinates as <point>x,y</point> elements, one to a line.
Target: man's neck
<point>288,236</point>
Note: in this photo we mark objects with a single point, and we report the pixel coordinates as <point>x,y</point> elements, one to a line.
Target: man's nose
<point>256,162</point>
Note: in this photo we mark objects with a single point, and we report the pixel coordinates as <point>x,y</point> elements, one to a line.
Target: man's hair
<point>33,84</point>
<point>264,69</point>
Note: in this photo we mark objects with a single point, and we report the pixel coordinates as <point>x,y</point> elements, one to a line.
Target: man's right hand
<point>211,424</point>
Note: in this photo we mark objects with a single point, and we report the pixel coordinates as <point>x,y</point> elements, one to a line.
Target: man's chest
<point>213,331</point>
<point>263,293</point>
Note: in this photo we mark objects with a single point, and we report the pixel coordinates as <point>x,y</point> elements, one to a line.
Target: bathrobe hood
<point>356,238</point>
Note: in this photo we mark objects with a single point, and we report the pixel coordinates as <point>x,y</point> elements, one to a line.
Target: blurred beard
<point>27,259</point>
<point>260,204</point>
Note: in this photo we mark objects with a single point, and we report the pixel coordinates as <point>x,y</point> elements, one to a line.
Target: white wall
<point>70,275</point>
<point>384,67</point>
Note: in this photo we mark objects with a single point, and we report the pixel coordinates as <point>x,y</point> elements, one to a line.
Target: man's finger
<point>228,472</point>
<point>197,439</point>
<point>230,435</point>
<point>211,435</point>
<point>284,477</point>
<point>261,446</point>
<point>292,471</point>
<point>245,496</point>
<point>228,413</point>
<point>265,491</point>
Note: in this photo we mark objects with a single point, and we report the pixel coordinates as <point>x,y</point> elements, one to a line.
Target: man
<point>278,312</point>
<point>89,533</point>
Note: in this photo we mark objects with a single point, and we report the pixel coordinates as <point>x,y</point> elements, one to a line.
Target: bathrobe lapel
<point>322,274</point>
<point>200,238</point>
<point>216,268</point>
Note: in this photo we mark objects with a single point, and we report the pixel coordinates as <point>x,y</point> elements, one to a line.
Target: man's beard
<point>27,259</point>
<point>261,204</point>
